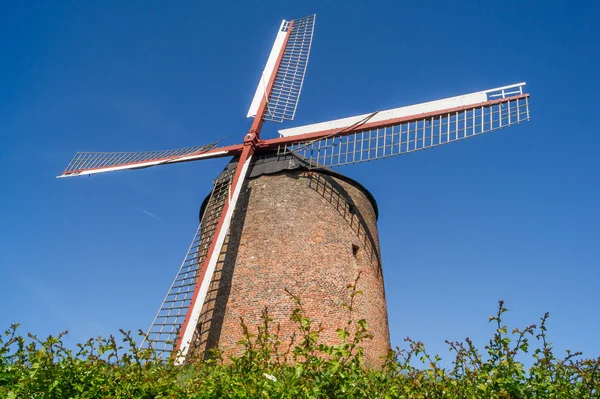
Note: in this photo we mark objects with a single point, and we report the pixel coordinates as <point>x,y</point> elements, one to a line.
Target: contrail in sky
<point>149,214</point>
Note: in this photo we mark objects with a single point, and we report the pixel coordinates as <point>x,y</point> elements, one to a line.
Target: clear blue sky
<point>512,215</point>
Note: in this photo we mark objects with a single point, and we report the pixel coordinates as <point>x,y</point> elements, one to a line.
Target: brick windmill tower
<point>279,218</point>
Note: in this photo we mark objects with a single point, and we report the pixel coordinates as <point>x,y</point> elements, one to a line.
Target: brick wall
<point>310,233</point>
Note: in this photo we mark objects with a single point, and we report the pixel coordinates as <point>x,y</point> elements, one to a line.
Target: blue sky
<point>511,215</point>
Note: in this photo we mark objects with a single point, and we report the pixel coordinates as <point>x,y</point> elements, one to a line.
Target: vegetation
<point>302,368</point>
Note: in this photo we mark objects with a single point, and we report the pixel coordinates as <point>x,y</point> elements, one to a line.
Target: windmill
<point>315,147</point>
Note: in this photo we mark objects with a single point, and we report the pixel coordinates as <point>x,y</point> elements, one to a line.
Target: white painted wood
<point>269,69</point>
<point>382,116</point>
<point>144,164</point>
<point>188,334</point>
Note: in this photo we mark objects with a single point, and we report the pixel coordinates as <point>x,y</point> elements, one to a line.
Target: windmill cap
<point>271,163</point>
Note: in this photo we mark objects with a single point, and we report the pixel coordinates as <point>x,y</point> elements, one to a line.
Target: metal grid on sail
<point>283,100</point>
<point>409,136</point>
<point>102,160</point>
<point>164,331</point>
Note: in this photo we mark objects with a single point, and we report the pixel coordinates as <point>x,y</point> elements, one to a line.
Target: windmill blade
<point>283,76</point>
<point>407,129</point>
<point>188,328</point>
<point>87,163</point>
<point>164,330</point>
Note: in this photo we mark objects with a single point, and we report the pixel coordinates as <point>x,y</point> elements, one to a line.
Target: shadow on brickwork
<point>336,195</point>
<point>210,325</point>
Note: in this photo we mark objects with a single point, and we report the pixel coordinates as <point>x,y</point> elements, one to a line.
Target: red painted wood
<point>247,152</point>
<point>230,150</point>
<point>258,119</point>
<point>273,143</point>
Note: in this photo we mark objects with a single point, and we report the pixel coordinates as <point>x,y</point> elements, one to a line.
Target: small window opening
<point>351,209</point>
<point>355,249</point>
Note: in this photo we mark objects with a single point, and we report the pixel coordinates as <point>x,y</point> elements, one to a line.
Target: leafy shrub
<point>301,368</point>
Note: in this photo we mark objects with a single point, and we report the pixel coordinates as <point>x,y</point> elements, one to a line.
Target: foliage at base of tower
<point>300,368</point>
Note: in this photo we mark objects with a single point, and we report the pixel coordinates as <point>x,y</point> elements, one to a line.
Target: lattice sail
<point>360,143</point>
<point>285,93</point>
<point>96,162</point>
<point>293,43</point>
<point>164,331</point>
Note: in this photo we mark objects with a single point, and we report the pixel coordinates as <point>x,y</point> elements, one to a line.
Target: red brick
<point>296,230</point>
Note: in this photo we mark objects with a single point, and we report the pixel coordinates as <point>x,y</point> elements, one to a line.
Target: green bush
<point>302,368</point>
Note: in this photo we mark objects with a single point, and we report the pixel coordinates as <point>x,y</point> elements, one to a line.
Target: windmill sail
<point>177,328</point>
<point>189,328</point>
<point>164,330</point>
<point>87,163</point>
<point>407,129</point>
<point>285,70</point>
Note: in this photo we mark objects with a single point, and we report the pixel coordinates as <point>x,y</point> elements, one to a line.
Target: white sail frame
<point>416,109</point>
<point>188,334</point>
<point>261,89</point>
